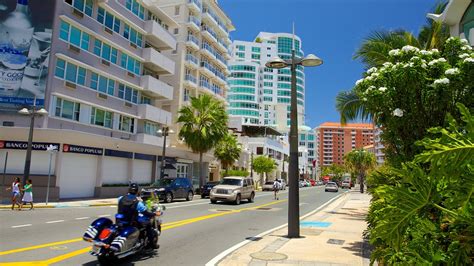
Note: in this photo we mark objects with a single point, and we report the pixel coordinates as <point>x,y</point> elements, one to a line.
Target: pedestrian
<point>15,188</point>
<point>276,188</point>
<point>28,195</point>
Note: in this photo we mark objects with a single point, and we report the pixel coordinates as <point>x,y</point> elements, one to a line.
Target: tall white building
<point>260,95</point>
<point>201,56</point>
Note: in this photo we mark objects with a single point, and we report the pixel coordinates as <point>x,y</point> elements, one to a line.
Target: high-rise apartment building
<point>307,150</point>
<point>97,67</point>
<point>260,95</point>
<point>201,57</point>
<point>335,140</point>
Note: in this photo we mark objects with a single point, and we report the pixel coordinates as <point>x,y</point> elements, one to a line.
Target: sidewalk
<point>332,236</point>
<point>67,204</point>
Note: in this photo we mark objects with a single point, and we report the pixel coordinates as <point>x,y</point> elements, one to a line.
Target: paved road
<point>194,232</point>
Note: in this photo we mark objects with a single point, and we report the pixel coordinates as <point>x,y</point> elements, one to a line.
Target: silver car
<point>331,186</point>
<point>233,189</point>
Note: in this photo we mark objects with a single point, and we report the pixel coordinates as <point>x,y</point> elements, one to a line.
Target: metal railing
<point>192,58</point>
<point>191,78</point>
<point>193,39</point>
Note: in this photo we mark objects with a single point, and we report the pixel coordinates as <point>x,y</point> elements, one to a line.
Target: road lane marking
<point>22,225</point>
<point>104,215</point>
<point>81,218</point>
<point>53,222</point>
<point>165,226</point>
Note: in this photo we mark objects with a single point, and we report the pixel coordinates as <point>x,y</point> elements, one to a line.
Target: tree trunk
<point>201,169</point>
<point>361,183</point>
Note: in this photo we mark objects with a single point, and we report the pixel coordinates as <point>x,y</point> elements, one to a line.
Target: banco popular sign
<point>23,145</point>
<point>82,149</point>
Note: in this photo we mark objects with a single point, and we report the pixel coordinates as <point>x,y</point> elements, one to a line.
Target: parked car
<point>282,184</point>
<point>319,183</point>
<point>312,182</point>
<point>206,189</point>
<point>169,189</point>
<point>331,186</point>
<point>346,184</point>
<point>233,189</point>
<point>268,186</point>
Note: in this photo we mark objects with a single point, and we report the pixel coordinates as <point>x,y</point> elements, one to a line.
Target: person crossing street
<point>276,188</point>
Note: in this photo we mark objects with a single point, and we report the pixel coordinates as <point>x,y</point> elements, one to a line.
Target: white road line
<point>53,222</point>
<point>104,215</point>
<point>225,253</point>
<point>23,225</point>
<point>81,218</point>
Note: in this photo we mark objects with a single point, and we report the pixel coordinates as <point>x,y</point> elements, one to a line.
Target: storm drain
<point>335,241</point>
<point>268,256</point>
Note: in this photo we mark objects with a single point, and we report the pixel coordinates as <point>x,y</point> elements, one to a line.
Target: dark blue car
<point>169,189</point>
<point>206,189</point>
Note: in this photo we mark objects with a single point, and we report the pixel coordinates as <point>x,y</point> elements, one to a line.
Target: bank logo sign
<point>23,145</point>
<point>25,47</point>
<point>82,149</point>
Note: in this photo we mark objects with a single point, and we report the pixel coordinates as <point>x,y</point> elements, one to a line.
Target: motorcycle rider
<point>130,206</point>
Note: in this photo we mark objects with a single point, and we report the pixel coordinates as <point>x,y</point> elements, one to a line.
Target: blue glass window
<point>106,51</point>
<point>97,47</point>
<point>71,72</point>
<point>102,84</point>
<point>60,68</point>
<point>111,87</point>
<point>100,15</point>
<point>94,81</point>
<point>64,31</point>
<point>85,41</point>
<point>81,76</point>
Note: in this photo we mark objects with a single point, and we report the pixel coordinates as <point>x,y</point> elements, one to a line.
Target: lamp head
<point>311,60</point>
<point>398,112</point>
<point>24,111</point>
<point>276,62</point>
<point>42,111</point>
<point>159,131</point>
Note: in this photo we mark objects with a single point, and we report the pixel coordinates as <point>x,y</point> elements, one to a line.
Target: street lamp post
<point>51,150</point>
<point>164,132</point>
<point>33,112</point>
<point>293,172</point>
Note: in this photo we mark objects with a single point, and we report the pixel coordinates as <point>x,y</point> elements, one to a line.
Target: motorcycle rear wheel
<point>107,259</point>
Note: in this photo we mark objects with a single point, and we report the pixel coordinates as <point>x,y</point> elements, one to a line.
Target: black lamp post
<point>293,172</point>
<point>33,112</point>
<point>164,132</point>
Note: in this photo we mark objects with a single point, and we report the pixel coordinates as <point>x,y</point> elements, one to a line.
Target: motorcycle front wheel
<point>107,259</point>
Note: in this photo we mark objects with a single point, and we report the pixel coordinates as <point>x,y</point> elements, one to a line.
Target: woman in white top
<point>15,192</point>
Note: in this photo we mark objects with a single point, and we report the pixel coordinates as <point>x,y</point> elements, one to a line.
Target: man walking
<point>276,188</point>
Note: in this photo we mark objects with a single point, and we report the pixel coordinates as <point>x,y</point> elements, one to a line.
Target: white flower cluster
<point>409,48</point>
<point>435,51</point>
<point>466,47</point>
<point>452,71</point>
<point>387,64</point>
<point>441,81</point>
<point>469,60</point>
<point>371,70</point>
<point>382,89</point>
<point>435,61</point>
<point>464,41</point>
<point>450,39</point>
<point>464,55</point>
<point>394,52</point>
<point>359,81</point>
<point>424,52</point>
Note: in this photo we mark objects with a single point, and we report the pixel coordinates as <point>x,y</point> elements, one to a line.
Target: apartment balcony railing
<point>210,31</point>
<point>193,39</point>
<point>190,78</point>
<point>196,5</point>
<point>192,58</point>
<point>194,20</point>
<point>205,84</point>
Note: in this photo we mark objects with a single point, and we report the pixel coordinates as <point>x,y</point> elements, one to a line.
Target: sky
<point>331,29</point>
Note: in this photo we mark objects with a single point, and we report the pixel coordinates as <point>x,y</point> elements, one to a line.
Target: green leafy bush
<point>235,173</point>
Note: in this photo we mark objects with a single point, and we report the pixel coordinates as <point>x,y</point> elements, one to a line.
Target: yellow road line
<point>165,226</point>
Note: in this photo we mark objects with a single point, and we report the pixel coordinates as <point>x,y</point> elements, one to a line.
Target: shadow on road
<point>128,261</point>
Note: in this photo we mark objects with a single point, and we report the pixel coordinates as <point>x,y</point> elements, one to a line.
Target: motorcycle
<point>112,241</point>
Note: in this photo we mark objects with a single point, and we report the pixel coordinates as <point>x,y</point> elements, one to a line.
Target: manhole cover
<point>336,241</point>
<point>264,209</point>
<point>268,256</point>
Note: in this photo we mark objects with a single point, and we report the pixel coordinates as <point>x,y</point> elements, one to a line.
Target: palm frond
<point>351,107</point>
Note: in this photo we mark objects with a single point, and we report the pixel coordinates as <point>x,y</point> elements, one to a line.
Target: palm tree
<point>373,52</point>
<point>204,124</point>
<point>228,150</point>
<point>359,162</point>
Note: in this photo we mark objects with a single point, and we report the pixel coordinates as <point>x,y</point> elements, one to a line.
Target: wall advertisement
<point>25,46</point>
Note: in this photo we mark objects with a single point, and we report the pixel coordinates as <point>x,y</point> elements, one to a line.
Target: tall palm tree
<point>373,52</point>
<point>359,162</point>
<point>228,150</point>
<point>204,123</point>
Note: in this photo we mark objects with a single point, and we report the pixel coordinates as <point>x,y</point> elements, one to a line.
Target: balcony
<point>192,61</point>
<point>190,80</point>
<point>207,68</point>
<point>209,33</point>
<point>195,5</point>
<point>156,87</point>
<point>151,140</point>
<point>206,16</point>
<point>194,22</point>
<point>205,84</point>
<point>207,50</point>
<point>224,48</point>
<point>158,62</point>
<point>193,42</point>
<point>155,114</point>
<point>158,36</point>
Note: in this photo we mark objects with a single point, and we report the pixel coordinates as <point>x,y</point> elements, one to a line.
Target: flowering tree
<point>414,91</point>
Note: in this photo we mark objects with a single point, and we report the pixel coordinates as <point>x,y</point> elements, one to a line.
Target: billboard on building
<point>25,47</point>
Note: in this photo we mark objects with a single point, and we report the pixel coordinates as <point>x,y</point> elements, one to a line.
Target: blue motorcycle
<point>112,241</point>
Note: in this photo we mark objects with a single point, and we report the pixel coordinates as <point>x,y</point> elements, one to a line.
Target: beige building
<point>200,57</point>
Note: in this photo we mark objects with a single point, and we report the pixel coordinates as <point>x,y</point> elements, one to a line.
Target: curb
<point>63,206</point>
<point>229,251</point>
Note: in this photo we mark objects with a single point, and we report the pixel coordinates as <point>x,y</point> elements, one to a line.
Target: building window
<point>70,72</point>
<point>176,31</point>
<point>128,94</point>
<point>255,56</point>
<point>151,128</point>
<point>132,35</point>
<point>74,36</point>
<point>240,47</point>
<point>145,99</point>
<point>240,55</point>
<point>67,109</point>
<point>105,51</point>
<point>81,5</point>
<point>126,124</point>
<point>176,10</point>
<point>108,20</point>
<point>101,118</point>
<point>130,64</point>
<point>102,84</point>
<point>136,8</point>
